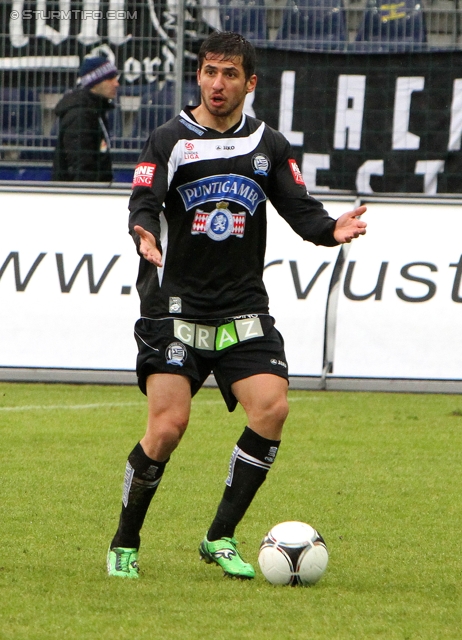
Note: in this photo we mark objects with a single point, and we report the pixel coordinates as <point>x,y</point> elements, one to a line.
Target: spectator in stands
<point>83,153</point>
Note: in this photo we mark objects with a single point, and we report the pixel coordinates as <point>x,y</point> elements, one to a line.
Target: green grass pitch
<point>379,475</point>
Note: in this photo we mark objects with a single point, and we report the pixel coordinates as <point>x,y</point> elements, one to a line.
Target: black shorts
<point>232,348</point>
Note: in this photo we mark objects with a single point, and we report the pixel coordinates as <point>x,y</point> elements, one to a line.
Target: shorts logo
<point>279,363</point>
<point>230,187</point>
<point>175,354</point>
<point>261,164</point>
<point>144,175</point>
<point>219,224</point>
<point>297,174</point>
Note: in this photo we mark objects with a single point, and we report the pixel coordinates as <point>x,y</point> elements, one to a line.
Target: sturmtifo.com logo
<point>76,14</point>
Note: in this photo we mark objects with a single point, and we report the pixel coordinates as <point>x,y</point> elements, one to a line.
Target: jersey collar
<point>187,114</point>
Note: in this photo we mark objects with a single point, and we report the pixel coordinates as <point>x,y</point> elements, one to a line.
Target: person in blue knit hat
<point>83,150</point>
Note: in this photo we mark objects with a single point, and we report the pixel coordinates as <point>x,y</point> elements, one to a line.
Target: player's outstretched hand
<point>348,226</point>
<point>148,246</point>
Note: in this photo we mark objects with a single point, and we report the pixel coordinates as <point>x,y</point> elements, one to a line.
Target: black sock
<point>142,477</point>
<point>251,460</point>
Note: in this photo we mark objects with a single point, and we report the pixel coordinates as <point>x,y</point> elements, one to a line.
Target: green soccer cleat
<point>224,553</point>
<point>123,562</point>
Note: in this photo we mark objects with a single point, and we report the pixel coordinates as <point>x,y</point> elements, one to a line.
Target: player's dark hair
<point>229,45</point>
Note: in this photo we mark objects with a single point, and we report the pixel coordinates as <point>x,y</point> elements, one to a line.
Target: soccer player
<point>198,219</point>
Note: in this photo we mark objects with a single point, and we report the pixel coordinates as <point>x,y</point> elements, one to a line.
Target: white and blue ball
<point>293,553</point>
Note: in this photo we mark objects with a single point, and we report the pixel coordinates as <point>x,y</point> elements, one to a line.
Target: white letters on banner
<point>68,299</point>
<point>349,119</point>
<point>402,137</point>
<point>286,109</point>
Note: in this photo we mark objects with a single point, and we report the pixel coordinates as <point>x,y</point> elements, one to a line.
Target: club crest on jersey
<point>261,164</point>
<point>220,223</point>
<point>230,186</point>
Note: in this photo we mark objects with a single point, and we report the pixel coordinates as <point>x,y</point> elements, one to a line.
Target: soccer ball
<point>293,553</point>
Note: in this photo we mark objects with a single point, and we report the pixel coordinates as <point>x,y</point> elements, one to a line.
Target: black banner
<point>357,122</point>
<point>381,123</point>
<point>140,36</point>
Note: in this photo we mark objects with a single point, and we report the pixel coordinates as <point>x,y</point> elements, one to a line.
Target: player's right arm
<point>148,246</point>
<point>150,185</point>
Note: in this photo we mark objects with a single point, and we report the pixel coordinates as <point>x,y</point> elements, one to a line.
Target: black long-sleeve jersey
<point>202,194</point>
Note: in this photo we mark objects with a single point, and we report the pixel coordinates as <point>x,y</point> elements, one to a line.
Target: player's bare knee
<point>170,438</point>
<point>272,413</point>
<point>280,410</point>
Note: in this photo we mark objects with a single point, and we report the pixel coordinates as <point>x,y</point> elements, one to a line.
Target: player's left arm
<point>348,226</point>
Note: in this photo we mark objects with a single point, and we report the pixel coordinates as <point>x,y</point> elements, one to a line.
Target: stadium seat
<point>313,24</point>
<point>158,105</point>
<point>126,106</point>
<point>247,17</point>
<point>392,27</point>
<point>20,116</point>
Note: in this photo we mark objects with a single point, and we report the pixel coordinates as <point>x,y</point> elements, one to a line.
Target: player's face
<point>223,85</point>
<point>107,88</point>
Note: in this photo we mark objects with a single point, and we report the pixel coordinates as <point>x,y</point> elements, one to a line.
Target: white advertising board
<point>68,298</point>
<point>67,283</point>
<point>297,278</point>
<point>53,313</point>
<point>407,323</point>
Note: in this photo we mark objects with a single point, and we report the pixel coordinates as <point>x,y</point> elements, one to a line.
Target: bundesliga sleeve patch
<point>297,174</point>
<point>144,175</point>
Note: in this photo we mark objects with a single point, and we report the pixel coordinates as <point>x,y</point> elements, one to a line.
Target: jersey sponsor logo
<point>261,164</point>
<point>144,175</point>
<point>219,224</point>
<point>297,174</point>
<point>230,186</point>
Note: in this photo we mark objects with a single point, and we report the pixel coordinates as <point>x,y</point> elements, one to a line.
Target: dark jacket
<point>82,152</point>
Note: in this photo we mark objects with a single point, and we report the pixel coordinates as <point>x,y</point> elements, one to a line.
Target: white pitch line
<point>101,405</point>
<point>50,407</point>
